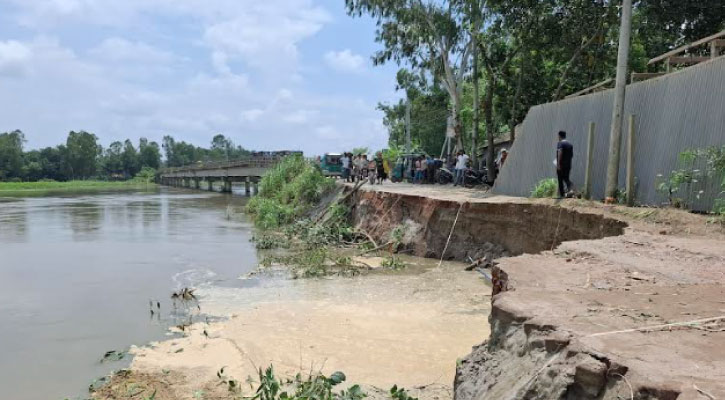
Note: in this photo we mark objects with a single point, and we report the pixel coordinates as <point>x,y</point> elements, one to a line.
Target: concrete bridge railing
<point>248,171</point>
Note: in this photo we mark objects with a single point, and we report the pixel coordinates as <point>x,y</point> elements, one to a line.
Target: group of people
<point>376,170</point>
<point>358,167</point>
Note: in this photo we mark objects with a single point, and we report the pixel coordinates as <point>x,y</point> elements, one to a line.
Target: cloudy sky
<point>270,74</point>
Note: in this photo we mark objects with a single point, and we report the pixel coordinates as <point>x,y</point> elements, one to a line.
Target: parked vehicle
<point>444,175</point>
<point>331,164</point>
<point>403,168</point>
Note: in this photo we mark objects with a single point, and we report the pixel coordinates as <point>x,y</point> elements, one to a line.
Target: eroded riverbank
<point>589,302</point>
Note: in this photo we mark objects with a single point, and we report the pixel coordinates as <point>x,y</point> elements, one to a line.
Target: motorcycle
<point>444,175</point>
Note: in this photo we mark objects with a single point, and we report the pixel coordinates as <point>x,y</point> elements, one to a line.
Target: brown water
<point>77,273</point>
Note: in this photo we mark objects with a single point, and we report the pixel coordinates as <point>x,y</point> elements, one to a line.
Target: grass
<point>287,192</point>
<point>48,186</point>
<point>545,188</point>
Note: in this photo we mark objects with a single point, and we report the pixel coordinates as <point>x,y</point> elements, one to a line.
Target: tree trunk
<point>488,117</point>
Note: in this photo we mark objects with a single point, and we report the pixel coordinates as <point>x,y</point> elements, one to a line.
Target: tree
<point>426,35</point>
<point>130,161</point>
<point>83,150</point>
<point>429,108</point>
<point>149,154</point>
<point>11,154</point>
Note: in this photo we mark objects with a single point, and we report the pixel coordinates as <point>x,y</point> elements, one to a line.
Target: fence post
<point>630,162</point>
<point>590,159</point>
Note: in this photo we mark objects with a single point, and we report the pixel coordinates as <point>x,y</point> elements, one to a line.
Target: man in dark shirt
<point>564,154</point>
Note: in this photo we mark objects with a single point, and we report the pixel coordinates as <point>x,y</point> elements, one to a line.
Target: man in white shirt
<point>461,164</point>
<point>345,160</point>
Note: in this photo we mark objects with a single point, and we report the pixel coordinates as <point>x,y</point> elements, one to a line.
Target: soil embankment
<point>593,302</point>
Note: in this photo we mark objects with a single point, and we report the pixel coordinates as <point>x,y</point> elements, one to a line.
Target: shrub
<point>288,191</point>
<point>545,188</point>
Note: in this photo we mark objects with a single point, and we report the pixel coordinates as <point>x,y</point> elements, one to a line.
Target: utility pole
<point>407,124</point>
<point>615,137</point>
<point>476,106</point>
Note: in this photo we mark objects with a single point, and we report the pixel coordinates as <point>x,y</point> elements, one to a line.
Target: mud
<point>571,306</point>
<point>405,327</point>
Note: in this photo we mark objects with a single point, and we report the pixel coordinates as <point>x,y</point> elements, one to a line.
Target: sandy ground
<point>406,328</point>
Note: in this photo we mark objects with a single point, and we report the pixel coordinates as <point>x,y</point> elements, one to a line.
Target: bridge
<point>226,173</point>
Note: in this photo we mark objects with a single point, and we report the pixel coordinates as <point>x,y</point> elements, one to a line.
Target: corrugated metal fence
<point>678,111</point>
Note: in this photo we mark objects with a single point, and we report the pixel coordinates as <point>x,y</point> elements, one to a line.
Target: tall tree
<point>83,149</point>
<point>11,154</point>
<point>423,34</point>
<point>149,154</point>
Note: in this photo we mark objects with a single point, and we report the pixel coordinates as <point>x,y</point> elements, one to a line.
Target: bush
<point>545,188</point>
<point>288,191</point>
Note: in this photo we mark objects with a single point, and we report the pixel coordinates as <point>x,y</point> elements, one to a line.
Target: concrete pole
<point>590,161</point>
<point>615,138</point>
<point>476,106</point>
<point>407,125</point>
<point>247,188</point>
<point>630,162</point>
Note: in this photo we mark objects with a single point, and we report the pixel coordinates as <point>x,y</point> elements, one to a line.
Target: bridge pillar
<point>247,189</point>
<point>210,185</point>
<point>255,183</point>
<point>197,185</point>
<point>227,185</point>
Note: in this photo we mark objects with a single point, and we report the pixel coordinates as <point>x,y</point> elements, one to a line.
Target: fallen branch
<point>370,238</point>
<point>376,248</point>
<point>657,327</point>
<point>704,393</point>
<point>343,198</point>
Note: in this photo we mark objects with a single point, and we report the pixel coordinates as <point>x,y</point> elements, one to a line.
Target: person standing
<point>345,160</point>
<point>564,155</point>
<point>461,164</point>
<point>380,167</point>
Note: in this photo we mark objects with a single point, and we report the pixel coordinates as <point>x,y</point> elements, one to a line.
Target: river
<point>77,272</point>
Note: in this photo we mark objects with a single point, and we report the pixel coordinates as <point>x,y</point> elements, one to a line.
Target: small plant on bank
<point>314,387</point>
<point>701,170</point>
<point>397,393</point>
<point>545,188</point>
<point>392,262</point>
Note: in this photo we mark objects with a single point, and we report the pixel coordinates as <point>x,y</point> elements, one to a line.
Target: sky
<point>269,74</point>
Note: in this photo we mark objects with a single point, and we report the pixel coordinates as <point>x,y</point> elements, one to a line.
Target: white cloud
<point>14,57</point>
<point>237,67</point>
<point>345,61</point>
<point>117,49</point>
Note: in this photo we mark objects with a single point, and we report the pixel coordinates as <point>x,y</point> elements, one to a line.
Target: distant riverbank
<point>69,186</point>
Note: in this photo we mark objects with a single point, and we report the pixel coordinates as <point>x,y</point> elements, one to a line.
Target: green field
<point>53,186</point>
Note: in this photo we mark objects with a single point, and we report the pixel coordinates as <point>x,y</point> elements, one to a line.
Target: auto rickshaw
<point>331,164</point>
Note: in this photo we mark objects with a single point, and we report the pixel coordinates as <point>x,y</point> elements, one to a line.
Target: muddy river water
<point>77,273</point>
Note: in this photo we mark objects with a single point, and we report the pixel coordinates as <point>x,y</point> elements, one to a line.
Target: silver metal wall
<point>678,111</point>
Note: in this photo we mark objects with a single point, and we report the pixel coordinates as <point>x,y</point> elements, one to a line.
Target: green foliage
<point>394,263</point>
<point>360,150</point>
<point>182,153</point>
<point>146,175</point>
<point>397,393</point>
<point>699,170</point>
<point>287,192</point>
<point>51,185</point>
<point>314,387</point>
<point>545,188</point>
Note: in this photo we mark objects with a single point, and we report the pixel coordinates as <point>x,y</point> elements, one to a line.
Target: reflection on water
<point>77,273</point>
